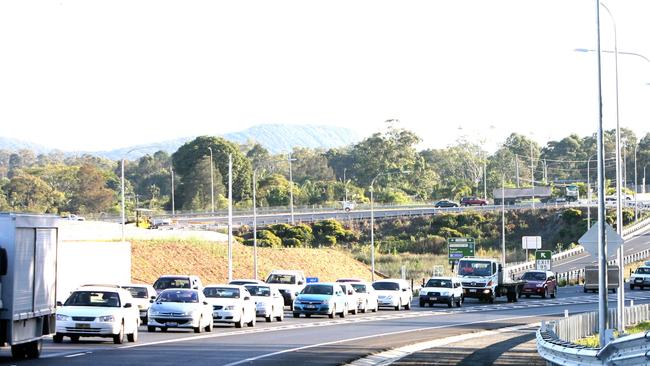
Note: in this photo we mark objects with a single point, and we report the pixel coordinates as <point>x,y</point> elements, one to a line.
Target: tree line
<point>390,160</point>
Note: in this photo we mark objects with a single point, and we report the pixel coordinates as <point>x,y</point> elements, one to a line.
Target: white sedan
<point>180,308</point>
<point>98,311</point>
<point>269,303</point>
<point>366,295</point>
<point>231,304</point>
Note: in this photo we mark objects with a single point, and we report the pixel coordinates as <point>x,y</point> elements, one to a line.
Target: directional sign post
<point>531,242</point>
<point>543,260</point>
<point>460,248</point>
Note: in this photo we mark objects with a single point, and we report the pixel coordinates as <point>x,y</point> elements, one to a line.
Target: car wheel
<point>344,312</point>
<point>210,326</point>
<point>554,293</point>
<point>151,329</point>
<point>528,296</point>
<point>33,349</point>
<point>240,323</point>
<point>296,315</point>
<point>460,302</point>
<point>376,308</point>
<point>74,339</point>
<point>281,317</point>
<point>252,322</point>
<point>199,328</point>
<point>398,305</point>
<point>408,305</point>
<point>545,293</point>
<point>422,303</point>
<point>163,329</point>
<point>133,337</point>
<point>365,308</point>
<point>631,287</point>
<point>332,314</point>
<point>307,315</point>
<point>18,351</point>
<point>119,338</point>
<point>491,299</point>
<point>354,311</point>
<point>57,338</point>
<point>584,289</point>
<point>268,318</point>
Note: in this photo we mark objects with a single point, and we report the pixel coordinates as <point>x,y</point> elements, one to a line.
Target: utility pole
<point>517,168</point>
<point>532,174</point>
<point>230,218</point>
<point>171,168</point>
<point>291,190</point>
<point>254,223</point>
<point>211,179</point>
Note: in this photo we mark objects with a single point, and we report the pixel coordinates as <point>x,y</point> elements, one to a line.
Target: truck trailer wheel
<point>33,349</point>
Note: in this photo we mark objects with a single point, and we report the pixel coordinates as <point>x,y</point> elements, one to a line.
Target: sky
<point>97,75</point>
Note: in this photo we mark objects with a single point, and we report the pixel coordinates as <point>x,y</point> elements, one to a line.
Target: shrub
<point>266,238</point>
<point>571,215</point>
<point>329,240</point>
<point>446,232</point>
<point>291,242</point>
<point>280,229</point>
<point>302,233</point>
<point>330,227</point>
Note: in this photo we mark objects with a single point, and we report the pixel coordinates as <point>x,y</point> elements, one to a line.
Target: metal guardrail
<point>555,340</point>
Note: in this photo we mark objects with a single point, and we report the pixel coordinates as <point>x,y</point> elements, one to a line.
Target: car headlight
<point>61,317</point>
<point>106,319</point>
<point>389,297</point>
<point>423,293</point>
<point>444,293</point>
<point>229,307</point>
<point>540,285</point>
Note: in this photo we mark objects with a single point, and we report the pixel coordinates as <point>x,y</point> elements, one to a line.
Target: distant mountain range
<point>274,137</point>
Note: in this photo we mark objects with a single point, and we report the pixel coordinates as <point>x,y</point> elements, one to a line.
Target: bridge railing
<point>555,340</point>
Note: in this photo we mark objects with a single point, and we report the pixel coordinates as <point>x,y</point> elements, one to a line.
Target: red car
<point>473,201</point>
<point>539,283</point>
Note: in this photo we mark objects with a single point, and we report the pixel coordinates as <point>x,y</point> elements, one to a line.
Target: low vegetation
<point>594,342</point>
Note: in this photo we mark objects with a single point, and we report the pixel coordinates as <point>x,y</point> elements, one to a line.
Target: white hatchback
<point>97,311</point>
<point>231,304</point>
<point>394,293</point>
<point>142,296</point>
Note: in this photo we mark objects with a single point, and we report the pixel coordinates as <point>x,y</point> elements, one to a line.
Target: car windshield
<point>438,283</point>
<point>137,292</point>
<point>642,270</point>
<point>259,290</point>
<point>534,276</point>
<point>282,279</point>
<point>386,286</point>
<point>187,296</point>
<point>318,290</point>
<point>94,298</point>
<point>359,287</point>
<point>472,268</point>
<point>172,282</point>
<point>221,292</point>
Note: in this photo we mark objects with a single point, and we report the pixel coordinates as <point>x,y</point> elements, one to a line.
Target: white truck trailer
<point>28,260</point>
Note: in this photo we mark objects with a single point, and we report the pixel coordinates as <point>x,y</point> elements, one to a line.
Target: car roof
<point>102,288</point>
<point>248,281</point>
<point>137,285</point>
<point>391,280</point>
<point>447,278</point>
<point>225,286</point>
<point>177,276</point>
<point>326,283</point>
<point>179,289</point>
<point>349,280</point>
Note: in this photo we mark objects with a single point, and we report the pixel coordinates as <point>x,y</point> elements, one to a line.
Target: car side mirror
<point>152,300</point>
<point>127,305</point>
<point>58,303</point>
<point>152,297</point>
<point>300,282</point>
<point>247,297</point>
<point>205,303</point>
<point>404,289</point>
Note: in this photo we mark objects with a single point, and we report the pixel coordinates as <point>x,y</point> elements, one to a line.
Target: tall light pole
<point>255,222</point>
<point>211,178</point>
<point>171,169</point>
<point>372,219</point>
<point>291,188</point>
<point>229,218</point>
<point>345,187</point>
<point>602,240</point>
<point>122,186</point>
<point>532,173</point>
<point>636,190</point>
<point>503,221</point>
<point>643,185</point>
<point>589,193</point>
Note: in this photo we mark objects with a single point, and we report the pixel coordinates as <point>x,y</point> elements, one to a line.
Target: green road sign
<point>460,248</point>
<point>543,260</point>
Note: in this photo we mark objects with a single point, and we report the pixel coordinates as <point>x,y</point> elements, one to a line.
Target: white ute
<point>641,277</point>
<point>444,290</point>
<point>289,283</point>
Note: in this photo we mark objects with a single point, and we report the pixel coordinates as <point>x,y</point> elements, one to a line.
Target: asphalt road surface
<point>315,341</point>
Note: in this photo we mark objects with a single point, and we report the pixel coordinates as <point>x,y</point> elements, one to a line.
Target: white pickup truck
<point>288,282</point>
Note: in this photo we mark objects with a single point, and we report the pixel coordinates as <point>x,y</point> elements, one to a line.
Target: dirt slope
<point>209,261</point>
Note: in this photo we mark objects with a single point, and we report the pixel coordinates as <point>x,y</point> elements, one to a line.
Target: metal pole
<point>532,176</point>
<point>485,180</point>
<point>372,232</point>
<point>619,181</point>
<point>636,190</point>
<point>255,223</point>
<point>503,220</point>
<point>123,208</point>
<point>345,186</point>
<point>602,240</point>
<point>229,218</point>
<point>211,179</point>
<point>291,190</point>
<point>173,206</point>
<point>588,195</point>
<point>517,168</point>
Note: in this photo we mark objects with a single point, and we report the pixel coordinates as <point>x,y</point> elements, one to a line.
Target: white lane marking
<point>393,355</point>
<point>267,355</point>
<point>78,354</point>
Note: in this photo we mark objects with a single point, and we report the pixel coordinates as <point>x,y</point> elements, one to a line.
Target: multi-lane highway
<point>316,341</point>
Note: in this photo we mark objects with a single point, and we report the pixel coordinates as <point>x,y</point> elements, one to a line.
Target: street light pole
<point>532,174</point>
<point>503,221</point>
<point>255,222</point>
<point>123,208</point>
<point>291,189</point>
<point>230,218</point>
<point>345,187</point>
<point>171,169</point>
<point>211,178</point>
<point>636,190</point>
<point>602,241</point>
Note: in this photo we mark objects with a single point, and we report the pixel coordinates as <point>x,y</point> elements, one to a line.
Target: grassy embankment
<point>209,260</point>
